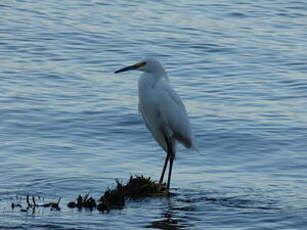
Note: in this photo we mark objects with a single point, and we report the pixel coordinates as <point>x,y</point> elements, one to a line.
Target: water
<point>68,125</point>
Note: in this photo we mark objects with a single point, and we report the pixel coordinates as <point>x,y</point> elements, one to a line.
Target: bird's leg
<point>170,171</point>
<point>171,154</point>
<point>163,171</point>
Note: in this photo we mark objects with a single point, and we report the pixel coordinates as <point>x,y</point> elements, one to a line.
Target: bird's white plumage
<point>162,110</point>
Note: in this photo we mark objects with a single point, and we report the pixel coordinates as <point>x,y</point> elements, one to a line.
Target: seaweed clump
<point>137,187</point>
<point>35,204</point>
<point>83,202</point>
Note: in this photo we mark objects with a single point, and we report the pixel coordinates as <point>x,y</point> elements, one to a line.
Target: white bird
<point>162,110</point>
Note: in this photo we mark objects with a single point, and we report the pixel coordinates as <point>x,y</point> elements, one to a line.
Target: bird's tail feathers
<point>195,147</point>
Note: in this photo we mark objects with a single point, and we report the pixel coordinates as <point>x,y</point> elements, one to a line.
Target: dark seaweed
<point>137,187</point>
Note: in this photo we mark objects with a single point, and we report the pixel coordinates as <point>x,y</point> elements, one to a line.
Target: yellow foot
<point>162,191</point>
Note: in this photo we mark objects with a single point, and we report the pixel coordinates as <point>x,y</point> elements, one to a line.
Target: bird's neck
<point>151,80</point>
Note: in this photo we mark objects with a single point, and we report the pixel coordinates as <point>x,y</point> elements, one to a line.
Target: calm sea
<point>68,125</point>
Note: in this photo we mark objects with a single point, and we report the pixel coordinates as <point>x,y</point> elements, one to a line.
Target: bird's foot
<point>163,189</point>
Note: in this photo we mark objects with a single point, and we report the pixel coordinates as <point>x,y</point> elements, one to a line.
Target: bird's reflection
<point>170,218</point>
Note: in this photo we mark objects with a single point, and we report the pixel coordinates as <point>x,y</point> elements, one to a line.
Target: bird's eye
<point>140,64</point>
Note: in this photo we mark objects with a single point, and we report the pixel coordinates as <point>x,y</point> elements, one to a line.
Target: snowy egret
<point>162,110</point>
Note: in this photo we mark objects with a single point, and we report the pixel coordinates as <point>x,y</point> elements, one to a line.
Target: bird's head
<point>149,65</point>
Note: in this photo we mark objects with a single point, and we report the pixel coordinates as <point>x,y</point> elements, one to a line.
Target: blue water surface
<point>68,125</point>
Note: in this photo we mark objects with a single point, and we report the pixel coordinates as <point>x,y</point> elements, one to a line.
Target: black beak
<point>131,67</point>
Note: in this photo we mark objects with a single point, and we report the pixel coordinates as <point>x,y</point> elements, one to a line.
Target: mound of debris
<point>137,187</point>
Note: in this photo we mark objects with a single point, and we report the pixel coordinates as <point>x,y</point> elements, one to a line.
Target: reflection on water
<point>169,219</point>
<point>186,208</point>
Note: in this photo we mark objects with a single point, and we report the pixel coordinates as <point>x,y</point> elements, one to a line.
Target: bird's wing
<point>174,114</point>
<point>151,119</point>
